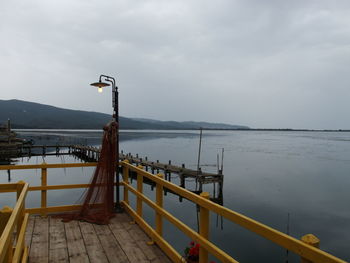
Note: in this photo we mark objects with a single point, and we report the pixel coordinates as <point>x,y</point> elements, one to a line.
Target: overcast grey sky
<point>265,64</point>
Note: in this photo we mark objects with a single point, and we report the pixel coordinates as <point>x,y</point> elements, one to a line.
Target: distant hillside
<point>191,124</point>
<point>30,115</point>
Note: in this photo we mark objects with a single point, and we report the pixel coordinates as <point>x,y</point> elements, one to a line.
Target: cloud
<point>257,63</point>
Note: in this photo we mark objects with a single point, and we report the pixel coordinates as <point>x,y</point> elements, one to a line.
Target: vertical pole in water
<point>199,149</point>
<point>199,154</point>
<point>222,160</point>
<point>287,251</point>
<point>9,130</point>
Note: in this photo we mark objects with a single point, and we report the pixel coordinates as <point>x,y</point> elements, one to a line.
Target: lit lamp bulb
<point>100,89</point>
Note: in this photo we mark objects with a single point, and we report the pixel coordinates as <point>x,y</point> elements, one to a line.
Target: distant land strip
<point>30,115</point>
<point>282,129</point>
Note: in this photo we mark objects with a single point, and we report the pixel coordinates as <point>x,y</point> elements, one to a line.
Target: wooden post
<point>203,229</point>
<point>43,192</point>
<point>182,184</point>
<point>140,190</point>
<point>126,180</point>
<point>159,202</point>
<point>5,214</point>
<point>311,240</point>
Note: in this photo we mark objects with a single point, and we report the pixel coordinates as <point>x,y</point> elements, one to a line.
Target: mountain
<point>192,124</point>
<point>30,115</point>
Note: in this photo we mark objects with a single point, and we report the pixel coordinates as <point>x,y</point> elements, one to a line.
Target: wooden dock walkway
<point>51,240</point>
<point>92,154</point>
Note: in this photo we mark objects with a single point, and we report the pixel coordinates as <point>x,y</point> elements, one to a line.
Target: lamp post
<point>100,84</point>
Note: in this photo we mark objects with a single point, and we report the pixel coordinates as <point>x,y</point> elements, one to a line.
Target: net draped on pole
<point>98,200</point>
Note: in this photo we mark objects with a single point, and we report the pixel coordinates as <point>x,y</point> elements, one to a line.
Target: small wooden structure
<point>10,144</point>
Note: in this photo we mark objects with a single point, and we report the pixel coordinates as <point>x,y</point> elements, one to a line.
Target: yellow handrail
<point>45,165</point>
<point>11,219</point>
<point>304,250</point>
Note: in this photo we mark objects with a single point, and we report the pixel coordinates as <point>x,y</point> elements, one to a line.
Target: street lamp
<point>100,84</point>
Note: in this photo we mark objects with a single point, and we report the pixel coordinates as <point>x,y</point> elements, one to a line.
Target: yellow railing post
<point>5,214</point>
<point>203,229</point>
<point>126,181</point>
<point>20,186</point>
<point>159,202</point>
<point>140,190</point>
<point>311,240</point>
<point>43,192</point>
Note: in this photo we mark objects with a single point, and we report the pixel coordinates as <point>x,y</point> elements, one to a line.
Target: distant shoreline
<point>204,129</point>
<point>294,130</point>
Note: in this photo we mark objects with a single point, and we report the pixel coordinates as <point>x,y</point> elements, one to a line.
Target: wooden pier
<point>91,154</point>
<point>50,240</point>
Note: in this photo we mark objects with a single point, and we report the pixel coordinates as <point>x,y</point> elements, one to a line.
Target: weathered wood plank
<point>58,251</point>
<point>127,243</point>
<point>92,243</point>
<point>29,231</point>
<point>76,247</point>
<point>59,255</point>
<point>153,252</point>
<point>110,245</point>
<point>39,247</point>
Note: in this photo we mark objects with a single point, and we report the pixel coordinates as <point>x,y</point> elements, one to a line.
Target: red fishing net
<point>97,201</point>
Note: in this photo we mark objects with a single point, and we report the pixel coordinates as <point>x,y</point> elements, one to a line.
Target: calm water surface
<point>268,175</point>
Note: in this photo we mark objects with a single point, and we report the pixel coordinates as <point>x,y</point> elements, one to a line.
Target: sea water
<point>268,176</point>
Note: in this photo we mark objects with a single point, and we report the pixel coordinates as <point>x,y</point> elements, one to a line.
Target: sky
<point>260,63</point>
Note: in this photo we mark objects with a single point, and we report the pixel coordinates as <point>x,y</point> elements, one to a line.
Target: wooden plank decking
<point>51,240</point>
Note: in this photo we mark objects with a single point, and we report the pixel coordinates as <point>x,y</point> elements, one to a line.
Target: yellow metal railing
<point>43,188</point>
<point>13,225</point>
<point>305,248</point>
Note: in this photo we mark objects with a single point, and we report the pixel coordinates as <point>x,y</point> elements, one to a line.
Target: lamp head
<point>100,85</point>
